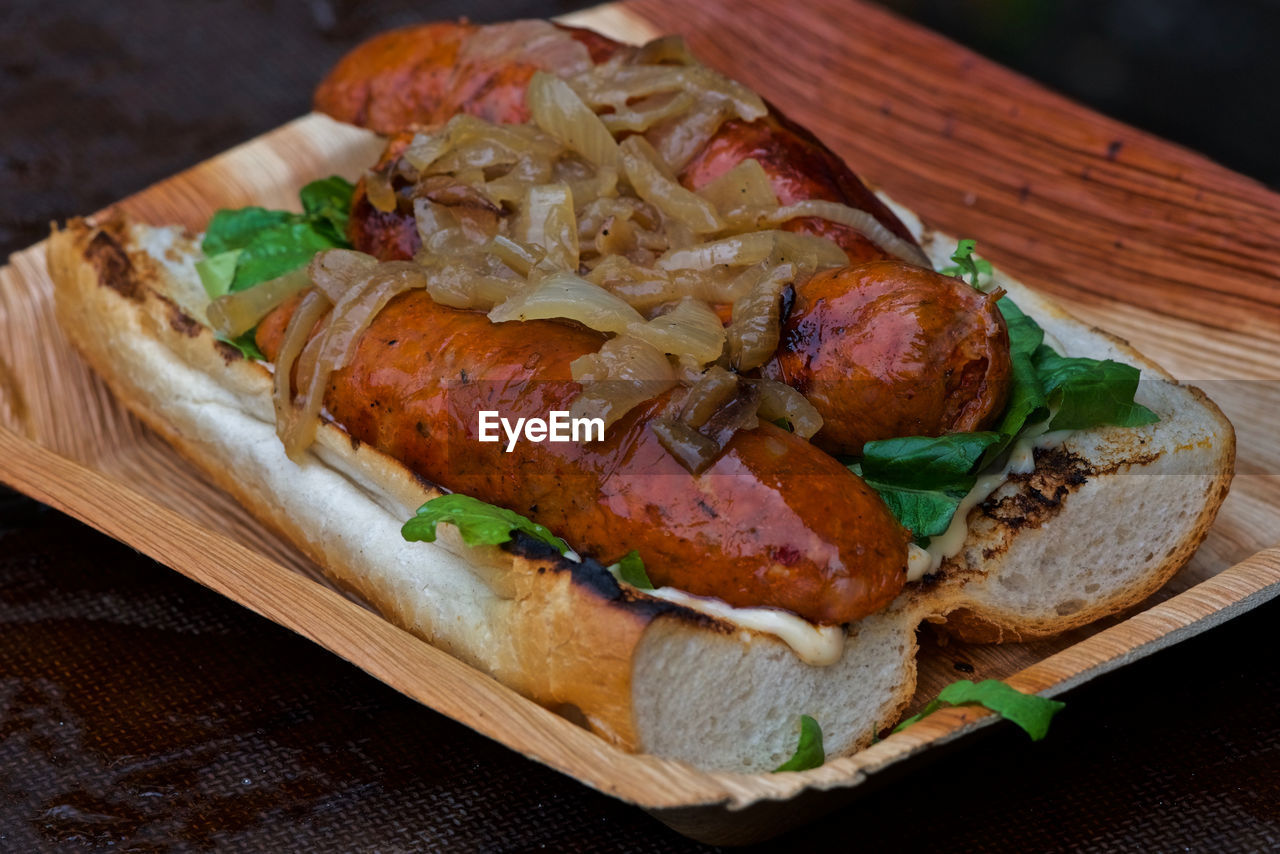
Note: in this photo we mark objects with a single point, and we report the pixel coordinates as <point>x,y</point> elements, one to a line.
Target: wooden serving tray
<point>1140,237</point>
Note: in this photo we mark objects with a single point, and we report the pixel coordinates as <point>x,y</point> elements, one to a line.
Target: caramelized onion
<point>690,448</point>
<point>690,329</point>
<point>648,112</point>
<point>288,415</point>
<point>377,187</point>
<point>520,257</point>
<point>548,220</point>
<point>459,284</point>
<point>860,221</point>
<point>539,42</point>
<point>808,252</point>
<point>334,346</point>
<point>665,50</point>
<point>657,186</point>
<point>679,139</point>
<point>745,186</point>
<point>338,270</point>
<point>236,313</point>
<point>565,295</point>
<point>753,332</point>
<point>781,401</point>
<point>625,373</point>
<point>738,250</point>
<point>711,391</point>
<point>560,112</point>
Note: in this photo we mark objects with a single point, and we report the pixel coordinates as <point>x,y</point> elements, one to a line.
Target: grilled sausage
<point>413,77</point>
<point>887,349</point>
<point>773,522</point>
<point>421,76</point>
<point>837,347</point>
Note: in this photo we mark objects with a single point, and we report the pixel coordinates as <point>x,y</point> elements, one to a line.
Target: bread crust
<point>645,674</point>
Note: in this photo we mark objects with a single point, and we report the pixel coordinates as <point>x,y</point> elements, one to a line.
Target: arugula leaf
<point>923,479</point>
<point>631,570</point>
<point>1028,711</point>
<point>479,523</point>
<point>809,752</point>
<point>967,262</point>
<point>234,229</point>
<point>217,271</point>
<point>926,462</point>
<point>276,250</point>
<point>270,243</point>
<point>1027,403</point>
<point>925,513</point>
<point>327,203</point>
<point>1087,392</point>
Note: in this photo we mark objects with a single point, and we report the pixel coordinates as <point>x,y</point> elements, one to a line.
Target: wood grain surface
<point>1133,234</point>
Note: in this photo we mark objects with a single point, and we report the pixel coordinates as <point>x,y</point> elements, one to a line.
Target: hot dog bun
<point>1103,522</point>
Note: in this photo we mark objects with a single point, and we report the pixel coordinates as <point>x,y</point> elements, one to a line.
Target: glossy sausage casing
<point>887,349</point>
<point>774,521</point>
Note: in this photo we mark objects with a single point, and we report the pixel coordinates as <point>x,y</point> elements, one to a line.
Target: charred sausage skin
<point>774,521</point>
<point>887,349</point>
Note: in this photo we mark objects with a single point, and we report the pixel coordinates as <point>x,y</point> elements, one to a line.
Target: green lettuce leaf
<point>327,202</point>
<point>234,229</point>
<point>927,462</point>
<point>631,570</point>
<point>923,479</point>
<point>1088,392</point>
<point>809,752</point>
<point>247,345</point>
<point>278,249</point>
<point>479,523</point>
<point>967,262</point>
<point>1028,711</point>
<point>269,243</point>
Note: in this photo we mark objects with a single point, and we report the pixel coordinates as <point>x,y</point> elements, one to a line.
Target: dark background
<point>141,712</point>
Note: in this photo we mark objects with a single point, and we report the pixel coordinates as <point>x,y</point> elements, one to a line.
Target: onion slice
<point>236,313</point>
<point>547,219</point>
<point>781,401</point>
<point>559,111</point>
<point>565,295</point>
<point>625,373</point>
<point>333,347</point>
<point>313,306</point>
<point>377,187</point>
<point>754,331</point>
<point>653,183</point>
<point>860,221</point>
<point>738,250</point>
<point>690,329</point>
<point>745,186</point>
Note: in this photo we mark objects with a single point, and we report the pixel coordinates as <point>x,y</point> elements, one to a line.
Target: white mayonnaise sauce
<point>812,644</point>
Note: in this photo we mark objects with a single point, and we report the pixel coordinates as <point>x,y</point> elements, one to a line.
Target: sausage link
<point>773,522</point>
<point>887,349</point>
<point>411,77</point>
<point>838,326</point>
